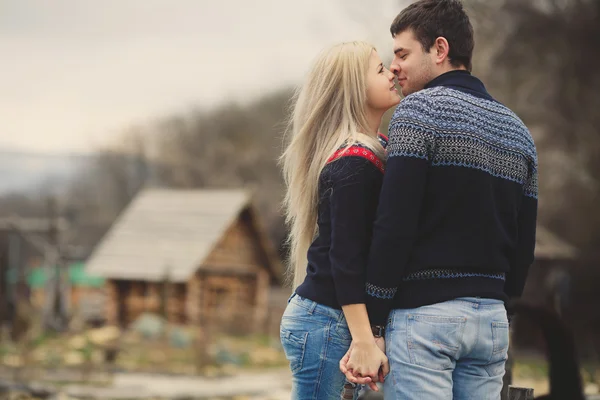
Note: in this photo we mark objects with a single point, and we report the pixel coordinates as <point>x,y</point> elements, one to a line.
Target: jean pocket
<point>500,342</point>
<point>341,333</point>
<point>434,341</point>
<point>500,337</point>
<point>294,345</point>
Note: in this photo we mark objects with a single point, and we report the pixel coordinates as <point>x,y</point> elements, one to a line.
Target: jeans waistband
<point>312,307</point>
<point>480,301</point>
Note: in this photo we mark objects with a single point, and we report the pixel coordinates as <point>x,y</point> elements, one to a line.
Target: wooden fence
<point>519,393</point>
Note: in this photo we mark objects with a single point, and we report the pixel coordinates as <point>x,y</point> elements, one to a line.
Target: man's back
<point>482,172</point>
<point>453,239</point>
<point>469,229</point>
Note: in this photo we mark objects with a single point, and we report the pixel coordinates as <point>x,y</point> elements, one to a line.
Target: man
<point>455,229</point>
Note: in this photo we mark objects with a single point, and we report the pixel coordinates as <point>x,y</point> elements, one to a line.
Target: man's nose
<point>395,68</point>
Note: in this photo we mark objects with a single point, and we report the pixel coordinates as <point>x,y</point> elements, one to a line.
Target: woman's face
<point>381,89</point>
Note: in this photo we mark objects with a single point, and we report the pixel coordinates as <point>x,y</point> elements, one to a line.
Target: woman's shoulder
<point>357,155</point>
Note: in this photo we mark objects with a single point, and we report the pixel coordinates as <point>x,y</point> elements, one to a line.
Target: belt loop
<point>313,305</point>
<point>341,317</point>
<point>291,297</point>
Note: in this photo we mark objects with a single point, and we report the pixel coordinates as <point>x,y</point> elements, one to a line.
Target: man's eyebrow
<point>398,50</point>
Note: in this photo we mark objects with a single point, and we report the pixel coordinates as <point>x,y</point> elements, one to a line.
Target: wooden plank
<point>261,307</point>
<point>112,305</point>
<point>237,248</point>
<point>192,306</point>
<point>519,393</point>
<point>507,378</point>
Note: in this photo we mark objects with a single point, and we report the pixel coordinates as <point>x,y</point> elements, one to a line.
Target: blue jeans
<point>314,339</point>
<point>452,350</point>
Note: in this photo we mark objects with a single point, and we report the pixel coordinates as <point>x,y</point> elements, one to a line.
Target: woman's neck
<point>374,121</point>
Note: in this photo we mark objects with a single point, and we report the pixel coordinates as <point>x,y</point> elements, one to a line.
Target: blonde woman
<point>333,168</point>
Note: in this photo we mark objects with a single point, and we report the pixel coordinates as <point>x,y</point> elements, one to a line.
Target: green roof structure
<point>78,277</point>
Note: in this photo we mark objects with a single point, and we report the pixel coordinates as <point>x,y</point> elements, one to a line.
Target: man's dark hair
<point>430,19</point>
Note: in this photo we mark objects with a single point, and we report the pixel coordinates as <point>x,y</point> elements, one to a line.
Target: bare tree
<point>543,66</point>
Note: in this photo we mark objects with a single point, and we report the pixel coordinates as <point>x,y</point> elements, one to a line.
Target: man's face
<point>413,66</point>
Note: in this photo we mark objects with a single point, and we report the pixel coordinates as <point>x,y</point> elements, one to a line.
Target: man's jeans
<point>314,338</point>
<point>451,350</point>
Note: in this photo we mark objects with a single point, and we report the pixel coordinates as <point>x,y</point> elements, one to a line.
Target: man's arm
<point>524,257</point>
<point>412,140</point>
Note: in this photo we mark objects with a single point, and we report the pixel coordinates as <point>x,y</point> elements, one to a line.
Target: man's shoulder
<point>444,99</point>
<point>429,95</point>
<point>426,101</point>
<point>416,106</point>
<point>503,124</point>
<point>424,96</point>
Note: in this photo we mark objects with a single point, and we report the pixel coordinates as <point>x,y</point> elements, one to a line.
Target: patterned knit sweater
<point>458,206</point>
<point>349,188</point>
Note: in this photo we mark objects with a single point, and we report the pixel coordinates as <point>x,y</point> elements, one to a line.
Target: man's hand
<point>365,363</point>
<point>385,369</point>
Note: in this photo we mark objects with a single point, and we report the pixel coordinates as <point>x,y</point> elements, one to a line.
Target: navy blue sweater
<point>457,211</point>
<point>349,189</point>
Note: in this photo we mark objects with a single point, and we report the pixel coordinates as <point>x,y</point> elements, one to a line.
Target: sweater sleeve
<point>411,144</point>
<point>353,201</point>
<point>527,220</point>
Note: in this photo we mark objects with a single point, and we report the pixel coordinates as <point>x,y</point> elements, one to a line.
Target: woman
<point>333,169</point>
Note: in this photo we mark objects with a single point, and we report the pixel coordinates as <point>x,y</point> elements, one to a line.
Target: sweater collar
<point>461,80</point>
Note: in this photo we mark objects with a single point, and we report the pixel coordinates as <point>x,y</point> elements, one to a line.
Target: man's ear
<point>441,49</point>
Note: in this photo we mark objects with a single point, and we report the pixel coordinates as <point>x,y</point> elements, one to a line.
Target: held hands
<point>366,363</point>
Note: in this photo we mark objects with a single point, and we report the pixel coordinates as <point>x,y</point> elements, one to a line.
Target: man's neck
<point>462,80</point>
<point>447,69</point>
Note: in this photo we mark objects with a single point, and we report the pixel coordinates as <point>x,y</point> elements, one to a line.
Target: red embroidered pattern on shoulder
<point>383,137</point>
<point>357,151</point>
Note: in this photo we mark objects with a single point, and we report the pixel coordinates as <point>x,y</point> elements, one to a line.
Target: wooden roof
<point>171,230</point>
<point>31,225</point>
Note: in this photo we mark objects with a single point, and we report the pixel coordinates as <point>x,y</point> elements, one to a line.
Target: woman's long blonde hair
<point>329,112</point>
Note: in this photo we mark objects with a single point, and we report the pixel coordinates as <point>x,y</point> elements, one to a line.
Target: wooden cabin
<point>194,256</point>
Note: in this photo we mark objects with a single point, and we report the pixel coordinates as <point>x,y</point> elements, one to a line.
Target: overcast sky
<point>75,73</point>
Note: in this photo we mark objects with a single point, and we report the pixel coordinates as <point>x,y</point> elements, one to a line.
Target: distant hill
<point>25,172</point>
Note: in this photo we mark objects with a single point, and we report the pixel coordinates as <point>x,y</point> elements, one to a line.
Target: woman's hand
<point>365,362</point>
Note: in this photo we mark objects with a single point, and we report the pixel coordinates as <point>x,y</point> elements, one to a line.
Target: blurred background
<point>140,229</point>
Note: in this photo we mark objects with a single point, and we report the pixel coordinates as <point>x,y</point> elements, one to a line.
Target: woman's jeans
<point>314,338</point>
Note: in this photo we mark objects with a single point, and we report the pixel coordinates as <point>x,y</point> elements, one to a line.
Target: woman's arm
<point>353,203</point>
<point>366,357</point>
